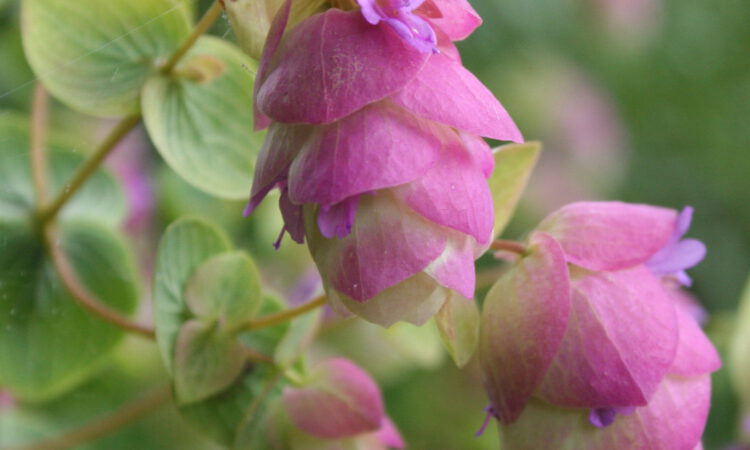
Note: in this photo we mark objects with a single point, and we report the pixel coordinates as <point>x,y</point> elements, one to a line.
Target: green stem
<point>509,246</point>
<point>126,414</point>
<point>203,25</point>
<point>284,316</point>
<point>48,214</point>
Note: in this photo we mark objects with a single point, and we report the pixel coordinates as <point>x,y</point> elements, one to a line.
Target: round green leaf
<point>226,288</point>
<point>94,55</point>
<point>185,245</point>
<point>226,416</point>
<point>100,200</point>
<point>201,122</point>
<point>48,343</point>
<point>207,361</point>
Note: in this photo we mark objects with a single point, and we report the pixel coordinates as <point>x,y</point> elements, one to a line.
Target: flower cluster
<point>375,143</point>
<point>588,334</point>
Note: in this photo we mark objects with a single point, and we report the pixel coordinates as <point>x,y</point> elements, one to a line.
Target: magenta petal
<point>333,64</point>
<point>620,343</point>
<point>338,220</point>
<point>696,355</point>
<point>444,91</point>
<point>674,419</point>
<point>454,269</point>
<point>387,245</point>
<point>282,144</point>
<point>458,19</point>
<point>610,235</point>
<point>275,33</point>
<point>294,221</point>
<point>523,323</point>
<point>341,400</point>
<point>677,257</point>
<point>480,152</point>
<point>389,435</point>
<point>454,193</point>
<point>377,147</point>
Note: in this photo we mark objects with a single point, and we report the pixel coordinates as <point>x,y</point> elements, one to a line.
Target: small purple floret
<point>338,220</point>
<point>679,254</point>
<point>398,14</point>
<point>490,410</point>
<point>604,417</point>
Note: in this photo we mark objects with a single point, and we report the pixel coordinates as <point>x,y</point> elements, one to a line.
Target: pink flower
<point>339,401</point>
<point>582,326</point>
<point>375,145</point>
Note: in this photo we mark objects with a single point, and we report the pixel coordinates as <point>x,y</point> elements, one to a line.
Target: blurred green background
<point>639,100</point>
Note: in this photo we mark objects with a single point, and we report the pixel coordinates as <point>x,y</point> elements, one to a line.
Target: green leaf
<point>207,361</point>
<point>96,56</point>
<point>185,245</point>
<point>458,323</point>
<point>739,350</point>
<point>48,343</point>
<point>201,121</point>
<point>225,288</point>
<point>100,200</point>
<point>299,336</point>
<point>224,416</point>
<point>513,166</point>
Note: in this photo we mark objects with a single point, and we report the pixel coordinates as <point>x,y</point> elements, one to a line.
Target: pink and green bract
<point>375,143</point>
<point>589,338</point>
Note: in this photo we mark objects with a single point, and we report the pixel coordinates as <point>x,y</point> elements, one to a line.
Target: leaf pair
<point>106,60</point>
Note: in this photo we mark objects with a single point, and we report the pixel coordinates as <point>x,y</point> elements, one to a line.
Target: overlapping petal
<point>620,343</point>
<point>610,235</point>
<point>333,64</point>
<point>523,323</point>
<point>444,91</point>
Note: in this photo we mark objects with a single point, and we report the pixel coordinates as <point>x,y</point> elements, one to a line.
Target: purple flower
<point>399,15</point>
<point>376,147</point>
<point>598,335</point>
<point>678,254</point>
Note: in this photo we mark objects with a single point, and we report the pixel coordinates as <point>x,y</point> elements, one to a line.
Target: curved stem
<point>79,292</point>
<point>101,427</point>
<point>284,316</point>
<point>38,142</point>
<point>120,130</point>
<point>203,25</point>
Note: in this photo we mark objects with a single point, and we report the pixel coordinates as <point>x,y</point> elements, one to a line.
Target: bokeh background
<point>639,100</point>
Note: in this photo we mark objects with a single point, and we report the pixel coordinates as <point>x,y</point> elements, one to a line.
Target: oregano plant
<point>396,172</point>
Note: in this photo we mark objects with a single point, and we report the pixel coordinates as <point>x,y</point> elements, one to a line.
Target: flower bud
<point>338,403</point>
<point>589,323</point>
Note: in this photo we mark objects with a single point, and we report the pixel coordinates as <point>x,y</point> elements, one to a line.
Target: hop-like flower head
<point>375,143</point>
<point>582,326</point>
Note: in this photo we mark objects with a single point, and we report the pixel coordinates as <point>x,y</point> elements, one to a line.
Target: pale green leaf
<point>458,323</point>
<point>299,336</point>
<point>201,120</point>
<point>207,361</point>
<point>185,245</point>
<point>513,166</point>
<point>226,288</point>
<point>48,343</point>
<point>96,55</point>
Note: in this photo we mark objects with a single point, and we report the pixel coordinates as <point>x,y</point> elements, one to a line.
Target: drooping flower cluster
<point>587,336</point>
<point>375,143</point>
